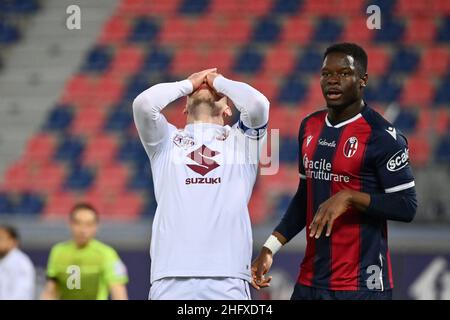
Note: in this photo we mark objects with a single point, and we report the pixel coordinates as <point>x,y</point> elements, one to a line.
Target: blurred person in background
<point>17,274</point>
<point>83,267</point>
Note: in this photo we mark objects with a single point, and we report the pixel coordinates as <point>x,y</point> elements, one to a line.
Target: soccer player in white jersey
<point>203,176</point>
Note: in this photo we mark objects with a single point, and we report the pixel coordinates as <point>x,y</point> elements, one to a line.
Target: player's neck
<point>337,115</point>
<point>204,119</point>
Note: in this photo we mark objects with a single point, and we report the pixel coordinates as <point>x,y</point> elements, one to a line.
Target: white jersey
<point>17,276</point>
<point>203,177</point>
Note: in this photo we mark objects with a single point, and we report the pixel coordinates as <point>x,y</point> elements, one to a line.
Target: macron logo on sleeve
<point>392,132</point>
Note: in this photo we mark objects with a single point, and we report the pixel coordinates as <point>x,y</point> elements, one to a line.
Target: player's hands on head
<point>200,77</point>
<point>210,77</point>
<point>260,266</point>
<point>328,212</point>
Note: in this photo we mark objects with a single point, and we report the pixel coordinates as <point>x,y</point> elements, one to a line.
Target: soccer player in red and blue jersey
<point>354,176</point>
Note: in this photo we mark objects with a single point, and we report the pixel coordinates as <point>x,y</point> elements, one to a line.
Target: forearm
<point>50,291</point>
<point>399,206</point>
<point>252,104</point>
<point>118,292</point>
<point>147,107</point>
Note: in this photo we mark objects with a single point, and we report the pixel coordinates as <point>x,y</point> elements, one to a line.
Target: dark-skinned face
<point>340,81</point>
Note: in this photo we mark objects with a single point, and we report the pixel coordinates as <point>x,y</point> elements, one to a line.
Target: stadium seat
<point>88,121</point>
<point>435,61</point>
<point>187,61</point>
<point>310,61</point>
<point>327,30</point>
<point>8,33</point>
<point>112,177</point>
<point>267,85</point>
<point>442,95</point>
<point>235,31</point>
<point>193,7</point>
<point>266,31</point>
<point>314,95</point>
<point>79,179</point>
<point>149,208</point>
<point>157,60</point>
<point>378,61</point>
<point>115,30</point>
<point>297,30</point>
<point>279,60</point>
<point>97,59</point>
<point>292,91</point>
<point>417,91</point>
<point>388,90</point>
<point>40,148</point>
<point>288,147</point>
<point>443,150</point>
<point>29,203</point>
<point>119,120</point>
<point>100,200</point>
<point>144,7</point>
<point>289,7</point>
<point>248,61</point>
<point>108,90</point>
<point>420,31</point>
<point>100,150</point>
<point>17,177</point>
<point>19,6</point>
<point>175,32</point>
<point>222,58</point>
<point>391,32</point>
<point>405,121</point>
<point>126,206</point>
<point>412,8</point>
<point>355,30</point>
<point>48,178</point>
<point>145,30</point>
<point>349,9</point>
<point>59,118</point>
<point>439,8</point>
<point>59,204</point>
<point>69,149</point>
<point>281,118</point>
<point>127,60</point>
<point>318,8</point>
<point>132,150</point>
<point>405,60</point>
<point>442,122</point>
<point>444,31</point>
<point>419,150</point>
<point>205,31</point>
<point>78,88</point>
<point>141,180</point>
<point>6,205</point>
<point>259,207</point>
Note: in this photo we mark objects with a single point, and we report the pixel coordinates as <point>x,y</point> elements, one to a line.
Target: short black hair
<point>351,49</point>
<point>12,231</point>
<point>83,206</point>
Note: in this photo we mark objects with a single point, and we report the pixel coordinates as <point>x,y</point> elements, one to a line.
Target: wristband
<point>273,244</point>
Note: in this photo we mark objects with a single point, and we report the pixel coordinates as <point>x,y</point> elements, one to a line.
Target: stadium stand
<point>88,148</point>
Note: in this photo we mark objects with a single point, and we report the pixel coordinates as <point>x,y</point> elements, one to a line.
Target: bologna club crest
<point>350,147</point>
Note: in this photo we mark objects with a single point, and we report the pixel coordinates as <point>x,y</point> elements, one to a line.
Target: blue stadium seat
<point>283,203</point>
<point>292,91</point>
<point>8,33</point>
<point>132,150</point>
<point>29,203</point>
<point>157,60</point>
<point>442,95</point>
<point>79,178</point>
<point>388,90</point>
<point>443,34</point>
<point>266,31</point>
<point>59,118</point>
<point>391,31</point>
<point>248,61</point>
<point>120,119</point>
<point>405,61</point>
<point>136,85</point>
<point>193,7</point>
<point>286,7</point>
<point>97,60</point>
<point>443,150</point>
<point>310,61</point>
<point>145,30</point>
<point>328,30</point>
<point>6,205</point>
<point>288,147</point>
<point>150,206</point>
<point>69,149</point>
<point>406,121</point>
<point>386,6</point>
<point>142,178</point>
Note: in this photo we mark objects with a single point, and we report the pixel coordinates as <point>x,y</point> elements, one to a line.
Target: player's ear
<point>227,111</point>
<point>364,80</point>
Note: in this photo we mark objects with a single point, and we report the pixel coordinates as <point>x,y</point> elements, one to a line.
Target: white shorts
<point>181,288</point>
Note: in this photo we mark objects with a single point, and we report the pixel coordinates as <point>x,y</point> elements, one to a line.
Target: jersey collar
<point>343,123</point>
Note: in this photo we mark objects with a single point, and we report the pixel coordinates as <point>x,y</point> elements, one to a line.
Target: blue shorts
<point>302,292</point>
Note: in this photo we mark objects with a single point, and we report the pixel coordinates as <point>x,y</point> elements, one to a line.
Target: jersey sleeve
<point>392,161</point>
<point>301,167</point>
<point>114,268</point>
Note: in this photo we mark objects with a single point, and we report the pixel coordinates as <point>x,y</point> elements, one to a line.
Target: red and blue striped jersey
<point>365,153</point>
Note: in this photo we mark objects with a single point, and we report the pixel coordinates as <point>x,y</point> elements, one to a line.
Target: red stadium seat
<point>126,206</point>
<point>255,8</point>
<point>349,8</point>
<point>205,30</point>
<point>100,200</point>
<point>88,121</point>
<point>435,61</point>
<point>319,8</point>
<point>225,8</point>
<point>297,30</point>
<point>379,60</point>
<point>281,118</point>
<point>17,177</point>
<point>424,122</point>
<point>439,8</point>
<point>127,60</point>
<point>235,31</point>
<point>175,31</point>
<point>355,30</point>
<point>420,31</point>
<point>174,114</point>
<point>266,84</point>
<point>314,97</point>
<point>414,8</point>
<point>48,178</point>
<point>187,61</point>
<point>219,57</point>
<point>59,204</point>
<point>108,90</point>
<point>115,30</point>
<point>40,148</point>
<point>419,150</point>
<point>442,121</point>
<point>258,207</point>
<point>280,60</point>
<point>111,178</point>
<point>417,91</point>
<point>146,7</point>
<point>79,87</point>
<point>100,150</point>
